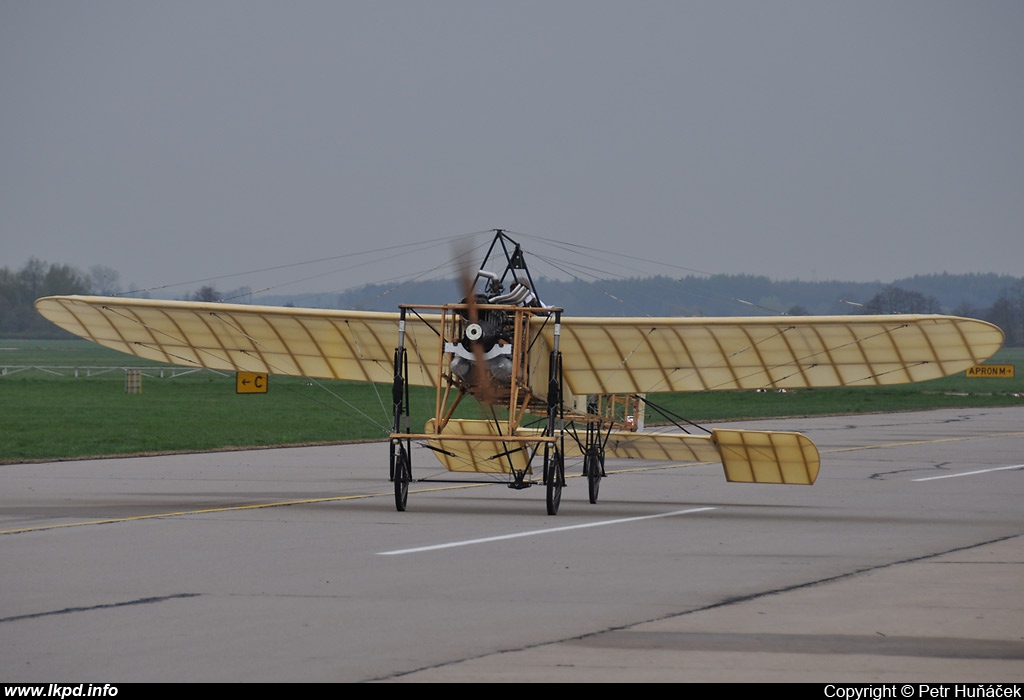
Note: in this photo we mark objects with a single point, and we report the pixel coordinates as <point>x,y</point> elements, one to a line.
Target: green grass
<point>58,419</point>
<point>51,417</point>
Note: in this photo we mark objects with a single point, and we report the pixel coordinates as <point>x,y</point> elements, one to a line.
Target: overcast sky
<point>178,141</point>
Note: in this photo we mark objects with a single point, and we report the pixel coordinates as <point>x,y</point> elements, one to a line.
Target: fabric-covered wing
<point>648,355</point>
<point>320,343</point>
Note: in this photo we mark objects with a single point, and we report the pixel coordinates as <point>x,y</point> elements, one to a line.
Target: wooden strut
<point>518,396</point>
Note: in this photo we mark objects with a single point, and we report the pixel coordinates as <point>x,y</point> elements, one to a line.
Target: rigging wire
<point>395,251</point>
<point>603,266</point>
<point>598,278</point>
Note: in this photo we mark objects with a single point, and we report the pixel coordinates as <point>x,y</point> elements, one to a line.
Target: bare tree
<point>1008,314</point>
<point>896,300</point>
<point>205,293</point>
<point>18,291</point>
<point>106,281</point>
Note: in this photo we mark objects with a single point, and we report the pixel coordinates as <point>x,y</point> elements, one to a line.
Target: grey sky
<point>176,141</point>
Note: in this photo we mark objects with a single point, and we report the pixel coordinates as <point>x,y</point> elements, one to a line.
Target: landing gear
<point>554,463</point>
<point>593,455</point>
<point>593,467</point>
<point>554,478</point>
<point>401,461</point>
<point>401,473</point>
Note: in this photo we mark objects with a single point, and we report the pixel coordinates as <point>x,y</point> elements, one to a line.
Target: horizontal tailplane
<point>748,456</point>
<point>766,457</point>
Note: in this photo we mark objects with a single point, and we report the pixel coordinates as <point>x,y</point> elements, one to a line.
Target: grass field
<point>55,416</point>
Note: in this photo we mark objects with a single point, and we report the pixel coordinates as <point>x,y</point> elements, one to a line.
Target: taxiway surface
<point>903,563</point>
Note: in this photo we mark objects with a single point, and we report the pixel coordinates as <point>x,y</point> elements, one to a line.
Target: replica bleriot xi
<point>556,386</point>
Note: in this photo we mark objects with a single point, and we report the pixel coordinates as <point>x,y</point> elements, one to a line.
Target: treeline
<point>998,299</point>
<point>1007,311</point>
<point>995,298</point>
<point>19,290</point>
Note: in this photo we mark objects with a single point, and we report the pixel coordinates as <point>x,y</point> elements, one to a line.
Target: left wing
<point>321,343</point>
<point>649,355</point>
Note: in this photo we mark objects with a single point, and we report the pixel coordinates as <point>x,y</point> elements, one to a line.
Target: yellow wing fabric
<point>637,355</point>
<point>601,355</point>
<point>748,456</point>
<point>319,343</point>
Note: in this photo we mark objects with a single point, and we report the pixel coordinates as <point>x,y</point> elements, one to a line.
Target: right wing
<point>321,343</point>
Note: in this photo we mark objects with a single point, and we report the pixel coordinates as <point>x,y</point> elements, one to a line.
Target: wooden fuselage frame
<point>519,397</point>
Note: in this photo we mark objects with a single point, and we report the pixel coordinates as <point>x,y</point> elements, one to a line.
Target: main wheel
<point>402,477</point>
<point>593,468</point>
<point>555,478</point>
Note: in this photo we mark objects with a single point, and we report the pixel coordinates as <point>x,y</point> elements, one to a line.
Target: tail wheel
<point>555,479</point>
<point>402,475</point>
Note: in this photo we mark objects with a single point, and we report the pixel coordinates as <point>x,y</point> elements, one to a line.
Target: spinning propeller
<point>478,331</point>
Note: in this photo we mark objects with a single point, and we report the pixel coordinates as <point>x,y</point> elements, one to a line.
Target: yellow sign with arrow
<point>250,383</point>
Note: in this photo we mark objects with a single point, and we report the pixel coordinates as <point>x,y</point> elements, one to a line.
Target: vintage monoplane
<point>557,386</point>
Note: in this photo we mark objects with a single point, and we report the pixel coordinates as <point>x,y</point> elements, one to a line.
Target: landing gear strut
<point>401,460</point>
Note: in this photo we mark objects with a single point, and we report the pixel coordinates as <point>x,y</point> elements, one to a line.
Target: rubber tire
<point>403,475</point>
<point>593,464</point>
<point>556,477</point>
